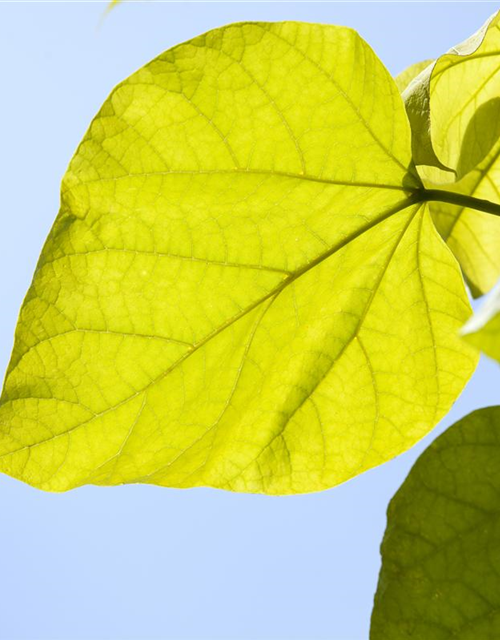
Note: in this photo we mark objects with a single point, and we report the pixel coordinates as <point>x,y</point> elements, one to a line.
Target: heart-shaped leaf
<point>241,289</point>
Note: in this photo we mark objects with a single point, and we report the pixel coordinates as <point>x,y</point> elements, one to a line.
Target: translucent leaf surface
<point>474,236</point>
<point>440,576</point>
<point>241,289</point>
<point>454,108</point>
<point>404,78</point>
<point>483,329</point>
<point>447,96</point>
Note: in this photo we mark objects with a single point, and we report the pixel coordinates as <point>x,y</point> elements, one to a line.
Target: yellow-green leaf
<point>404,78</point>
<point>448,95</point>
<point>440,576</point>
<point>241,289</point>
<point>483,329</point>
<point>454,109</point>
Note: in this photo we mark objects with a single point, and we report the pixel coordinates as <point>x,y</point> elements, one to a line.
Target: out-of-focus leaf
<point>483,329</point>
<point>440,576</point>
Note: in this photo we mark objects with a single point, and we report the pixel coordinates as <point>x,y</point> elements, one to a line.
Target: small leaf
<point>241,289</point>
<point>483,329</point>
<point>440,576</point>
<point>417,102</point>
<point>409,74</point>
<point>404,78</point>
<point>454,110</point>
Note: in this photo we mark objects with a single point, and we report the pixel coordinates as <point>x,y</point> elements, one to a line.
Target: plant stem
<point>461,200</point>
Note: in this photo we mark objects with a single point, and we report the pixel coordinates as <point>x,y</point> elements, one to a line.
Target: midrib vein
<point>258,172</point>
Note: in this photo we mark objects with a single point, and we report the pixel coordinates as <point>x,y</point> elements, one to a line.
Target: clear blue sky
<point>141,562</point>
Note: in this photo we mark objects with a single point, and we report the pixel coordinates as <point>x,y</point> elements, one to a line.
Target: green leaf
<point>483,329</point>
<point>454,110</point>
<point>241,289</point>
<point>404,78</point>
<point>440,576</point>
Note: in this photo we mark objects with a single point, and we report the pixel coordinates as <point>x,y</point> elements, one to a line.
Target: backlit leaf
<point>404,78</point>
<point>448,95</point>
<point>483,329</point>
<point>241,289</point>
<point>454,108</point>
<point>440,576</point>
<point>473,236</point>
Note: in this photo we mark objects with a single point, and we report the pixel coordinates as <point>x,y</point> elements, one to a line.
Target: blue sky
<point>141,562</point>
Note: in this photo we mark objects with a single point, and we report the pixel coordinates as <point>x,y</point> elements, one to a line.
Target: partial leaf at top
<point>240,289</point>
<point>450,92</point>
<point>440,575</point>
<point>454,108</point>
<point>483,329</point>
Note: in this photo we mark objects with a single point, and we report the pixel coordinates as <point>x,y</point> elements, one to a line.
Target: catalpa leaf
<point>454,109</point>
<point>483,329</point>
<point>440,576</point>
<point>241,289</point>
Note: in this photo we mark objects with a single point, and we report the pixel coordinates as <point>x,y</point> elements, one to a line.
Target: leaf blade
<point>222,241</point>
